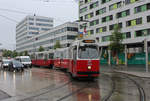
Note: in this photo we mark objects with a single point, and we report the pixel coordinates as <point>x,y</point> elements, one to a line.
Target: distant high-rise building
<point>65,33</point>
<point>30,26</point>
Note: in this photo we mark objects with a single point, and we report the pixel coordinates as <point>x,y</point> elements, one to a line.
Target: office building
<point>30,26</point>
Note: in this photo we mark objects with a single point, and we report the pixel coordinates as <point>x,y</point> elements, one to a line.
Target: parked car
<point>25,60</point>
<point>5,63</point>
<point>15,65</point>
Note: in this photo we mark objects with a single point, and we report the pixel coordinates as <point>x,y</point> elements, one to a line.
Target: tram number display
<point>88,41</point>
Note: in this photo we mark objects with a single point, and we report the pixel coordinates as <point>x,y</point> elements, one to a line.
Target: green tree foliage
<point>14,54</point>
<point>26,53</point>
<point>21,54</point>
<point>7,53</point>
<point>41,49</point>
<point>57,45</point>
<point>116,45</point>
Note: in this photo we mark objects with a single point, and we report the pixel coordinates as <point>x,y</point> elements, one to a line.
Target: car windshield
<point>6,62</point>
<point>88,52</point>
<point>25,60</point>
<point>16,63</point>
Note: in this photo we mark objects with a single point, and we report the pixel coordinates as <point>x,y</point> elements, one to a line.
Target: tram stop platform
<point>137,70</point>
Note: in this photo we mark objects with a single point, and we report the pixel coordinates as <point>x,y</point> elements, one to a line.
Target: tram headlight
<point>89,67</point>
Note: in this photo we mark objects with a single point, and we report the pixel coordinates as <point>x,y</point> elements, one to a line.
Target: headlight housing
<point>89,67</point>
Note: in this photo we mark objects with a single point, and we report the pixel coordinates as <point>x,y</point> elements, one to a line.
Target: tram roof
<point>50,51</point>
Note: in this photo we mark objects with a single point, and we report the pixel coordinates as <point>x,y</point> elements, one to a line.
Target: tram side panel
<point>65,59</point>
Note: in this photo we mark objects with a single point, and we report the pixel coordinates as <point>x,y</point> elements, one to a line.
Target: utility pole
<point>146,54</point>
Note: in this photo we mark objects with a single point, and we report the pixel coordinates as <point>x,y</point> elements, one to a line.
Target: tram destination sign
<point>88,41</point>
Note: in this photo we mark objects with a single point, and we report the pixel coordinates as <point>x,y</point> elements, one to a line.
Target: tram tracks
<point>51,88</point>
<point>107,97</point>
<point>142,96</point>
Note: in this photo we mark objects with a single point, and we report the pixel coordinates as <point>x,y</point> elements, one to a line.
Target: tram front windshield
<point>88,52</point>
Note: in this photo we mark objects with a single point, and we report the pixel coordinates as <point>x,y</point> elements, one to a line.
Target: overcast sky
<point>61,10</point>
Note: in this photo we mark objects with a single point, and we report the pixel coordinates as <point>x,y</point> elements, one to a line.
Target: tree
<point>116,45</point>
<point>57,45</point>
<point>14,54</point>
<point>7,53</point>
<point>41,49</point>
<point>26,53</point>
<point>21,54</point>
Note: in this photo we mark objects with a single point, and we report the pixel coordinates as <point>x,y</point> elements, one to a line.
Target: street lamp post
<point>146,51</point>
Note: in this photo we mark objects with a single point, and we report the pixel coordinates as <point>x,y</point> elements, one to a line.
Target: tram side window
<point>40,56</point>
<point>51,55</point>
<point>46,57</point>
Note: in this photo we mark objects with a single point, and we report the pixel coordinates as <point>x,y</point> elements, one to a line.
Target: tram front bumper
<point>88,73</point>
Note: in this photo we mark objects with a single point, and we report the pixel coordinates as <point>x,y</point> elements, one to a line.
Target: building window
<point>141,33</point>
<point>72,29</point>
<point>90,15</point>
<point>115,6</point>
<point>130,1</point>
<point>134,22</point>
<point>81,18</point>
<point>71,37</point>
<point>94,22</point>
<point>142,8</point>
<point>101,29</point>
<point>111,27</point>
<point>45,29</point>
<point>31,19</point>
<point>127,35</point>
<point>90,32</point>
<point>148,18</point>
<point>94,5</point>
<point>86,1</point>
<point>83,9</point>
<point>107,18</point>
<point>44,20</point>
<point>33,28</point>
<point>123,14</point>
<point>41,24</point>
<point>105,38</point>
<point>31,23</point>
<point>104,1</point>
<point>101,11</point>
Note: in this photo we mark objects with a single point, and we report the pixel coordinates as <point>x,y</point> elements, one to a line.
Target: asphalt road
<point>41,84</point>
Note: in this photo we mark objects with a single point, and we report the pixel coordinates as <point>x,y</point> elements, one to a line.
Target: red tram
<point>61,58</point>
<point>43,59</point>
<point>84,58</point>
<point>81,59</point>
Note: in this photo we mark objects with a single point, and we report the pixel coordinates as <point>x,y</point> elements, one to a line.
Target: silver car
<point>5,63</point>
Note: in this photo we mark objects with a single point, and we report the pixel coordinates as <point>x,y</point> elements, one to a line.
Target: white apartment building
<point>133,17</point>
<point>65,33</point>
<point>30,26</point>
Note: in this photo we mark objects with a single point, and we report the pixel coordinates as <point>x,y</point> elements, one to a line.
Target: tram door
<point>74,59</point>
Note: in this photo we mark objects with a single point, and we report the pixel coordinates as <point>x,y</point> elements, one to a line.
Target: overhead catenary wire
<point>59,1</point>
<point>14,11</point>
<point>22,12</point>
<point>10,19</point>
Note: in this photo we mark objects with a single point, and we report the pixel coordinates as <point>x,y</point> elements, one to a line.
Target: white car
<point>25,60</point>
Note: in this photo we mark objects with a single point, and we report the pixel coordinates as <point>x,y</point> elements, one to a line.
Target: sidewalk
<point>137,70</point>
